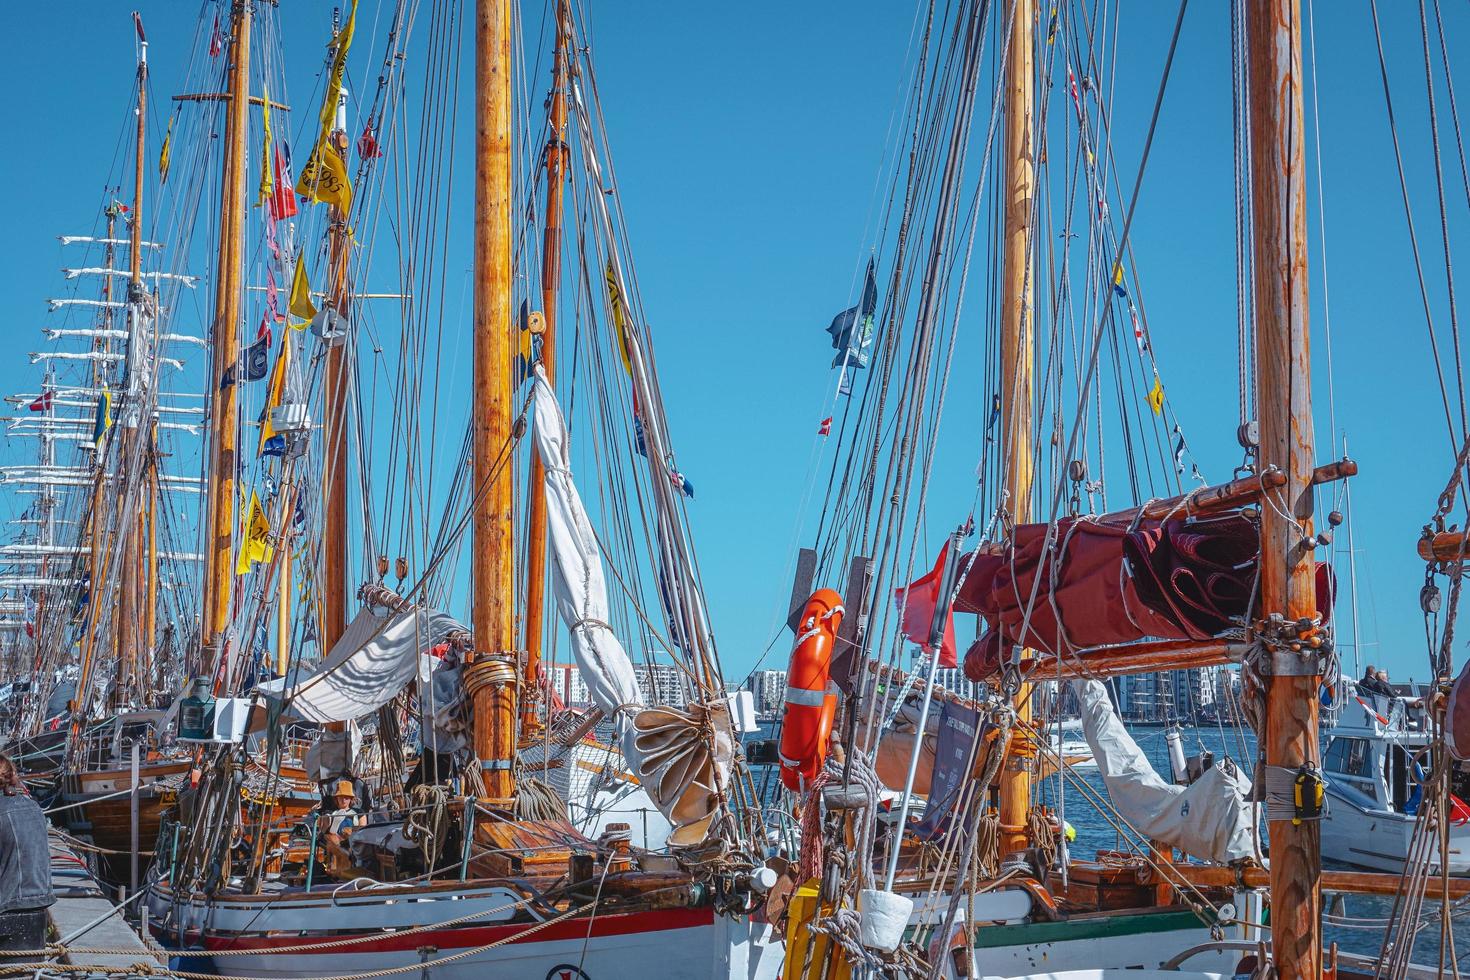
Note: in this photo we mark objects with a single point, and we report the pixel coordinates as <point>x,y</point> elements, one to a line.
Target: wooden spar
<point>1346,882</point>
<point>1016,355</point>
<point>1225,496</point>
<point>225,97</point>
<point>1444,546</point>
<point>1137,658</point>
<point>223,400</point>
<point>491,679</point>
<point>96,576</point>
<point>283,586</point>
<point>125,627</point>
<point>1284,410</point>
<point>334,393</point>
<point>556,156</point>
<point>150,568</point>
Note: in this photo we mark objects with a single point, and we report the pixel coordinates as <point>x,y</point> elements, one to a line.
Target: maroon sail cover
<point>1106,583</point>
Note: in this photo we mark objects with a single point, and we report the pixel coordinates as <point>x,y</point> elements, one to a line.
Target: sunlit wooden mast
<point>224,401</point>
<point>1016,354</point>
<point>334,476</point>
<point>132,589</point>
<point>555,163</point>
<point>1284,411</point>
<point>493,676</point>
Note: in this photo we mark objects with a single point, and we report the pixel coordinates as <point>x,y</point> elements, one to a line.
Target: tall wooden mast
<point>1016,354</point>
<point>224,401</point>
<point>335,391</point>
<point>131,588</point>
<point>1284,410</point>
<point>493,676</point>
<point>555,162</point>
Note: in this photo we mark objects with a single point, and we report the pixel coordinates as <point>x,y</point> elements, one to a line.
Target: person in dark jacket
<point>1372,684</point>
<point>25,867</point>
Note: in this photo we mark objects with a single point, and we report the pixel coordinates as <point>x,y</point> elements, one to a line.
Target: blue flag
<point>852,329</point>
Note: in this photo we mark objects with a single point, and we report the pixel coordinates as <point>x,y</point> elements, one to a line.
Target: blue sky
<point>749,139</point>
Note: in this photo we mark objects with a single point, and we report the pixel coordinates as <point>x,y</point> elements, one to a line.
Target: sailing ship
<point>470,849</point>
<point>1065,590</point>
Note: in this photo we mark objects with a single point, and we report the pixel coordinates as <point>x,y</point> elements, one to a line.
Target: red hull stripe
<point>448,940</point>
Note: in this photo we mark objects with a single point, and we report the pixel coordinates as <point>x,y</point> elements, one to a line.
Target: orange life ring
<point>811,700</point>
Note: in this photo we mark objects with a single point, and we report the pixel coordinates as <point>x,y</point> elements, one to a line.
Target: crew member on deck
<point>335,826</point>
<point>25,867</point>
<point>440,726</point>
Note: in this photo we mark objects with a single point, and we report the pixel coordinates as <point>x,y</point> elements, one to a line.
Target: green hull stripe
<point>1027,933</point>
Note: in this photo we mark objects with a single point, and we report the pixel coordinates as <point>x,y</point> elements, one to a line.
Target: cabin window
<point>1348,756</point>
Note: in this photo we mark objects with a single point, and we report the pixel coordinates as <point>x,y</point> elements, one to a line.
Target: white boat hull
<point>1379,840</point>
<point>300,936</point>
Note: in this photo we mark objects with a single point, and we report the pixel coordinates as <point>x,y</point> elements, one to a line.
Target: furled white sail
<point>1211,818</point>
<point>577,580</point>
<point>376,658</point>
<point>680,756</point>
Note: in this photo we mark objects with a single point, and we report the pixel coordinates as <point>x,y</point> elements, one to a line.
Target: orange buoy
<point>811,699</point>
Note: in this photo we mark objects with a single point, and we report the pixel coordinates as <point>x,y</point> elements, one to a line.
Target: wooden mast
<point>150,566</point>
<point>556,156</point>
<point>492,677</point>
<point>96,573</point>
<point>1017,353</point>
<point>130,585</point>
<point>1284,410</point>
<point>224,402</point>
<point>335,391</point>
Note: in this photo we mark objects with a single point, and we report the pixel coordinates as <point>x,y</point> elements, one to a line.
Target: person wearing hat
<point>335,825</point>
<point>346,813</point>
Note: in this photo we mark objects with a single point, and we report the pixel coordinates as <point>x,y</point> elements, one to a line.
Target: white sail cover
<point>675,753</point>
<point>577,580</point>
<point>375,659</point>
<point>1210,819</point>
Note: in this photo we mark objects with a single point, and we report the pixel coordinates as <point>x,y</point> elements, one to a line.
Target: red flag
<point>367,144</point>
<point>216,42</point>
<point>43,403</point>
<point>1459,812</point>
<point>825,428</point>
<point>916,604</point>
<point>283,201</point>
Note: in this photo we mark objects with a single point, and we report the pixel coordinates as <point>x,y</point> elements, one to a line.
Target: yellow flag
<point>256,546</point>
<point>1156,396</point>
<point>164,152</point>
<point>276,393</point>
<point>619,314</point>
<point>267,177</point>
<point>324,177</point>
<point>1118,274</point>
<point>300,304</point>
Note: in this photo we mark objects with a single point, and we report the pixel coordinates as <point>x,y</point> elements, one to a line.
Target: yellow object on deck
<point>805,951</point>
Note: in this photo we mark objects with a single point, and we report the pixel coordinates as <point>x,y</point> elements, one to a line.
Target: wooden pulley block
<point>536,322</point>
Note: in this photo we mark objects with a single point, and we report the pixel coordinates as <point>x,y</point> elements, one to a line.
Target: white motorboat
<point>1378,754</point>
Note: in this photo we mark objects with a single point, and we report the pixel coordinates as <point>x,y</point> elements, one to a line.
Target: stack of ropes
<point>535,800</point>
<point>427,822</point>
